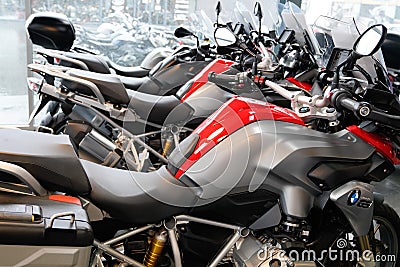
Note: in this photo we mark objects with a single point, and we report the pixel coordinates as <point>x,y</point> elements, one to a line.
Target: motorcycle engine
<point>251,252</point>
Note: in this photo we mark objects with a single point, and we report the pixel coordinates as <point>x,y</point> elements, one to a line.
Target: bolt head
<point>365,111</point>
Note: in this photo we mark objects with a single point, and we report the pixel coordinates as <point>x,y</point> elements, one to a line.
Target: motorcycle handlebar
<point>349,104</point>
<point>221,78</point>
<point>316,101</point>
<point>342,99</point>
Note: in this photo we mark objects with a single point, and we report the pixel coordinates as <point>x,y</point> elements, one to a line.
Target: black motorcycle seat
<point>109,85</point>
<point>100,64</point>
<point>93,62</point>
<point>157,109</point>
<point>51,159</point>
<point>133,83</point>
<point>135,197</point>
<point>136,71</point>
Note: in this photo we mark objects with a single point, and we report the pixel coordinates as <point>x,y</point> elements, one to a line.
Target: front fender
<point>356,200</point>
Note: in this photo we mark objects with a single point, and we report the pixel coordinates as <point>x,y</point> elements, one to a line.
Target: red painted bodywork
<point>230,117</point>
<point>65,199</point>
<point>217,65</point>
<point>383,145</point>
<point>302,85</point>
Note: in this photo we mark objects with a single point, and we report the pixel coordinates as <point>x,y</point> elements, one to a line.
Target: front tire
<point>386,235</point>
<point>384,240</point>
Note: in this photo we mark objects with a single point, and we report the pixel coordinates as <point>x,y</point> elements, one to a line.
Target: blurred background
<point>126,30</point>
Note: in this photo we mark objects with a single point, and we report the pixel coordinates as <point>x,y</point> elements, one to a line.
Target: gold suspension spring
<point>155,249</point>
<point>167,146</point>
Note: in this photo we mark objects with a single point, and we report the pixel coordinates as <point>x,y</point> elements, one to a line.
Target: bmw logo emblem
<point>354,197</point>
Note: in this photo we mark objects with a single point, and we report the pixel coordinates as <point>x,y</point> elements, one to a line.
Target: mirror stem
<point>254,67</point>
<point>351,58</point>
<point>197,40</point>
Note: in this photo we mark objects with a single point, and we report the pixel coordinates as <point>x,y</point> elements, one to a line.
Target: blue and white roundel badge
<point>354,197</point>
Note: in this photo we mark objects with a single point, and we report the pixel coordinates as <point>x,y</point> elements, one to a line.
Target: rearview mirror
<point>218,8</point>
<point>182,32</point>
<point>257,11</point>
<point>224,37</point>
<point>370,41</point>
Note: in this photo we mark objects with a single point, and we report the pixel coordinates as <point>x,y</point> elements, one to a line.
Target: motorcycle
<point>190,104</point>
<point>160,121</point>
<point>253,185</point>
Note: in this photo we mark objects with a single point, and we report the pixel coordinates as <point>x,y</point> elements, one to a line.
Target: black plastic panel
<point>22,231</point>
<point>329,175</point>
<point>239,209</point>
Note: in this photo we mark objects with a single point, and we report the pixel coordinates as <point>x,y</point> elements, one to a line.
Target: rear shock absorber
<point>155,249</point>
<point>167,146</point>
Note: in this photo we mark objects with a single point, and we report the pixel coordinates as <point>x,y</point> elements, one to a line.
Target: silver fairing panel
<point>210,97</point>
<point>275,156</point>
<point>207,99</point>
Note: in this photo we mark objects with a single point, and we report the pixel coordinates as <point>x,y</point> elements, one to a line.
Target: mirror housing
<point>224,37</point>
<point>257,10</point>
<point>370,41</point>
<point>218,8</point>
<point>367,44</point>
<point>182,32</point>
<point>258,13</point>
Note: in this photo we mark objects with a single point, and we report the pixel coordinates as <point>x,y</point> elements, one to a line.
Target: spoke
<point>377,228</point>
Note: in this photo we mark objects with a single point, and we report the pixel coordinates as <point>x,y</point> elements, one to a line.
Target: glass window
<point>366,12</point>
<point>127,30</point>
<point>13,72</point>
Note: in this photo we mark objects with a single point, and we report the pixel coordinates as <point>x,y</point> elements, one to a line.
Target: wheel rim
<point>385,237</point>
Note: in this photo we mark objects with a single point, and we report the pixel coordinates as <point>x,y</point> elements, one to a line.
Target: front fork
<point>367,259</point>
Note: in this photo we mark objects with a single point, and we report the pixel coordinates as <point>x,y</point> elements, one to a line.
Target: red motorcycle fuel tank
<point>217,66</point>
<point>233,115</point>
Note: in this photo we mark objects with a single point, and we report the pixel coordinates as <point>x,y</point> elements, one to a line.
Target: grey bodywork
<point>275,156</point>
<point>33,256</point>
<point>270,155</point>
<point>340,197</point>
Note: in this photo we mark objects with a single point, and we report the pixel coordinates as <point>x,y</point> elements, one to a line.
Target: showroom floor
<point>390,188</point>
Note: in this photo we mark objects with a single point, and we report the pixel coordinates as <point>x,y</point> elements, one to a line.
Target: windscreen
<point>271,20</point>
<point>245,17</point>
<point>331,33</point>
<point>294,19</point>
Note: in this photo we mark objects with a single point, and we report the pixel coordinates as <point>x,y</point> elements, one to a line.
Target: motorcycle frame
<point>170,226</point>
<point>92,104</point>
